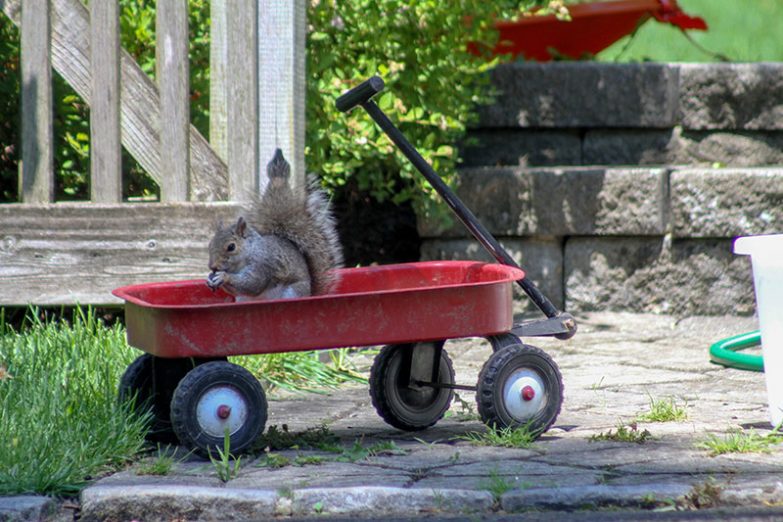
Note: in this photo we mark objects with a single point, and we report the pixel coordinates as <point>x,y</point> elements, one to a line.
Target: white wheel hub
<point>524,394</point>
<point>221,407</point>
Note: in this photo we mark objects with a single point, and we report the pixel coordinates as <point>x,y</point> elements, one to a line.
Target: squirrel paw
<point>215,280</point>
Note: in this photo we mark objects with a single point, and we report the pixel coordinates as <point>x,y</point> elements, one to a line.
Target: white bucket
<point>766,254</point>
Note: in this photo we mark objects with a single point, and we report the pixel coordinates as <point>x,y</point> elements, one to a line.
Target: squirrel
<point>286,247</point>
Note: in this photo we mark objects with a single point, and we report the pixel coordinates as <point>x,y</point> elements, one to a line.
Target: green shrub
<point>433,85</point>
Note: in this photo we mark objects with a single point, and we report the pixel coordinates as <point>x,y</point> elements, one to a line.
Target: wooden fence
<point>63,253</point>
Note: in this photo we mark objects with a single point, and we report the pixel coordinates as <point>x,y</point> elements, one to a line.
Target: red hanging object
<point>593,27</point>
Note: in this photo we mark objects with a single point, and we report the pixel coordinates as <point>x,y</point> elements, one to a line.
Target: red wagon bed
<point>387,304</point>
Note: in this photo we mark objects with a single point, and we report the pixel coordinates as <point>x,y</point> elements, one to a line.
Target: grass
<point>61,424</point>
<point>302,371</point>
<point>664,410</point>
<point>466,412</point>
<point>226,465</point>
<point>273,461</point>
<point>497,485</point>
<point>320,438</point>
<point>623,433</point>
<point>160,464</point>
<point>746,31</point>
<point>741,441</point>
<point>510,437</point>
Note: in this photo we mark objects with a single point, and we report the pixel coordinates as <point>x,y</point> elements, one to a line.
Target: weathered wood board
<point>140,100</point>
<point>69,253</point>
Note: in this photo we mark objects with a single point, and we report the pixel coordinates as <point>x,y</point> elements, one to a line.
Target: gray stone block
<point>726,202</point>
<point>731,96</point>
<point>633,147</point>
<point>522,148</point>
<point>541,259</point>
<point>583,95</point>
<point>735,149</point>
<point>556,202</point>
<point>23,508</point>
<point>687,277</point>
<point>675,147</point>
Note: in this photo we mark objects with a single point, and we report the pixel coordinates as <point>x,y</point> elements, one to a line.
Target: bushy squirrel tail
<point>302,216</point>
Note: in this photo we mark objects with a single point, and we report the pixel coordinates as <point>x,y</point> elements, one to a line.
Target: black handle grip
<point>360,94</point>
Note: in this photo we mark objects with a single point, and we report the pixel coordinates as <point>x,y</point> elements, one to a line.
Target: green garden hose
<point>726,352</point>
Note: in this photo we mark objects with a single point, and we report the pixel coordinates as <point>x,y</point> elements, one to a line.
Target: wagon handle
<point>362,95</point>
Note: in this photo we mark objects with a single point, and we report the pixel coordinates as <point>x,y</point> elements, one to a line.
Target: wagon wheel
<point>215,397</point>
<point>151,381</point>
<point>520,385</point>
<point>395,390</point>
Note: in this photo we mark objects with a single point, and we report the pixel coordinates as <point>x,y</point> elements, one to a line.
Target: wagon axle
<point>223,411</point>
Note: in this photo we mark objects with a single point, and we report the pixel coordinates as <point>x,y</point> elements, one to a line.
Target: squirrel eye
<point>231,247</point>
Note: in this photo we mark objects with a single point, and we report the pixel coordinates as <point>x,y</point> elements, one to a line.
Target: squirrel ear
<point>241,226</point>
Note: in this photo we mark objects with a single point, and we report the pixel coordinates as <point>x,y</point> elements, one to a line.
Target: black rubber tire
<point>494,376</point>
<point>151,381</point>
<point>409,408</point>
<point>213,377</point>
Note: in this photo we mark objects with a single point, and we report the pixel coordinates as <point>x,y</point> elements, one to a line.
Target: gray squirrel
<point>286,246</point>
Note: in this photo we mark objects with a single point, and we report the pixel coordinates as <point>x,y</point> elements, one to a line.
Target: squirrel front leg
<point>215,279</point>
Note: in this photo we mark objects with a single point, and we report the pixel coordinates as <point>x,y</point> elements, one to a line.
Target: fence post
<point>281,81</point>
<point>218,80</point>
<point>243,118</point>
<point>105,147</point>
<point>173,75</point>
<point>37,132</point>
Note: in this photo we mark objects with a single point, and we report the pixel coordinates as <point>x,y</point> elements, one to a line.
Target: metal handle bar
<point>362,95</point>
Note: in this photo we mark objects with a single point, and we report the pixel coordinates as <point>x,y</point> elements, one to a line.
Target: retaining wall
<point>621,187</point>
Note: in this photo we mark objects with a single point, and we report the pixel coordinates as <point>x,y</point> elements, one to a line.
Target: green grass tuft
<point>61,424</point>
<point>664,410</point>
<point>320,438</point>
<point>630,433</point>
<point>510,437</point>
<point>301,371</point>
<point>741,441</point>
<point>160,464</point>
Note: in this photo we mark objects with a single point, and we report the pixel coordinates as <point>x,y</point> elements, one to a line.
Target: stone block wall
<point>621,187</point>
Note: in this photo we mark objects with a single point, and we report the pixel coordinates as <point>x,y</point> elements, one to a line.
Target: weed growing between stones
<point>320,438</point>
<point>623,433</point>
<point>160,464</point>
<point>510,437</point>
<point>741,441</point>
<point>497,485</point>
<point>226,465</point>
<point>273,461</point>
<point>466,412</point>
<point>703,496</point>
<point>664,410</point>
<point>309,460</point>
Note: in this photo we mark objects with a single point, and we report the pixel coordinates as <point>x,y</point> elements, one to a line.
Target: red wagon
<point>187,332</point>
